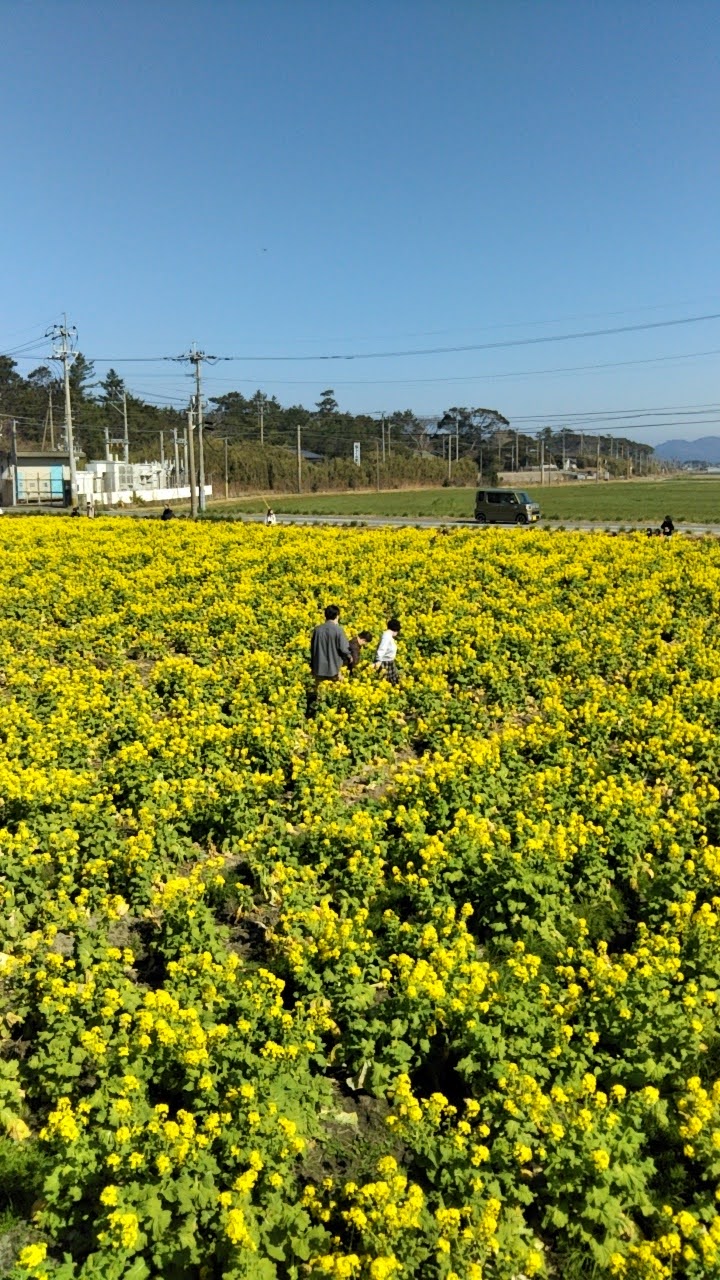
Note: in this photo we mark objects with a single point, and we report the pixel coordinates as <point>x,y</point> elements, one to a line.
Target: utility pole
<point>13,437</point>
<point>176,453</point>
<point>597,462</point>
<point>62,335</point>
<point>517,451</point>
<point>299,462</point>
<point>48,423</point>
<point>377,464</point>
<point>201,449</point>
<point>382,427</point>
<point>126,437</point>
<point>449,440</point>
<point>542,459</point>
<point>261,417</point>
<point>196,358</point>
<point>457,437</point>
<point>191,465</point>
<point>227,477</point>
<point>162,454</point>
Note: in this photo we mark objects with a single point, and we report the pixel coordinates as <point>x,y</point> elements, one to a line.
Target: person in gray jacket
<point>329,647</point>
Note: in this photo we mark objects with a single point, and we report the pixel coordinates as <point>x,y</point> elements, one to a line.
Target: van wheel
<point>521,518</point>
<point>481,519</point>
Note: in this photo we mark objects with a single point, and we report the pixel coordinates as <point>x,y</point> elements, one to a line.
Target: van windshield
<point>524,497</point>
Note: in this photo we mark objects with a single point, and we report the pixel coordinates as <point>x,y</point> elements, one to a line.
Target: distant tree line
<point>261,434</point>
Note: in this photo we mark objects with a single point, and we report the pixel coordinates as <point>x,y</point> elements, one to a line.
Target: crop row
<point>415,982</point>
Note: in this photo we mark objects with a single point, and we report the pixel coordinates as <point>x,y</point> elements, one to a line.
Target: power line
<point>27,350</point>
<point>504,324</point>
<point>487,346</point>
<point>504,344</point>
<point>474,377</point>
<point>19,334</point>
<point>607,414</point>
<point>607,420</point>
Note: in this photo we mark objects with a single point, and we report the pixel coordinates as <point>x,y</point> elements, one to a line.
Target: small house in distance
<point>34,478</point>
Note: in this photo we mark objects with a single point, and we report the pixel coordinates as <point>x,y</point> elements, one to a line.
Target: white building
<point>113,483</point>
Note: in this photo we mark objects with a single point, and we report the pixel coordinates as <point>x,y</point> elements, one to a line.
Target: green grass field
<point>693,500</point>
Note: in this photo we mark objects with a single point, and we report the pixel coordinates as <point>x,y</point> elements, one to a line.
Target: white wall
<point>125,497</point>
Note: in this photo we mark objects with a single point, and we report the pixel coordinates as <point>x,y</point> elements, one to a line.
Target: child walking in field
<point>387,652</point>
<point>357,644</point>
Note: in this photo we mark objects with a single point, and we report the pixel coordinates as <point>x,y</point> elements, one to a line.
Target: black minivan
<point>505,506</point>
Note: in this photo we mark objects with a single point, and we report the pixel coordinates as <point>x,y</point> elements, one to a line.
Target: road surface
<point>427,522</point>
<point>397,522</point>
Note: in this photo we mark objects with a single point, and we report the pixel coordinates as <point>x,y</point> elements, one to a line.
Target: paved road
<point>410,522</point>
<point>426,522</point>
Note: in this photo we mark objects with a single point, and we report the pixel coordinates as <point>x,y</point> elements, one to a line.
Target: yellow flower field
<point>413,982</point>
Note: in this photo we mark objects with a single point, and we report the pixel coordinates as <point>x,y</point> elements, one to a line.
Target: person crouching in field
<point>329,647</point>
<point>357,644</point>
<point>387,652</point>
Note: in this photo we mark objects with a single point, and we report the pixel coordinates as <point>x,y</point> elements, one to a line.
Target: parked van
<point>505,506</point>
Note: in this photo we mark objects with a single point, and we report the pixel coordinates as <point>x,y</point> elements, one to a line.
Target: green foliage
<point>423,983</point>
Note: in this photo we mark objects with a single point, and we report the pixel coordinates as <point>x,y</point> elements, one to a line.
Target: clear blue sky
<point>304,177</point>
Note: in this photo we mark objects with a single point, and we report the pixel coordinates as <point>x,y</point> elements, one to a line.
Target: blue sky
<point>312,178</point>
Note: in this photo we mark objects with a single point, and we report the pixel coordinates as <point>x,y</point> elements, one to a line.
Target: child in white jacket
<point>387,652</point>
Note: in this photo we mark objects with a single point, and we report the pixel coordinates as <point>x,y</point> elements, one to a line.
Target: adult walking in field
<point>387,652</point>
<point>329,647</point>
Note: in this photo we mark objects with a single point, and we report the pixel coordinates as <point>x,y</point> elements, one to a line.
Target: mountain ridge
<point>705,449</point>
